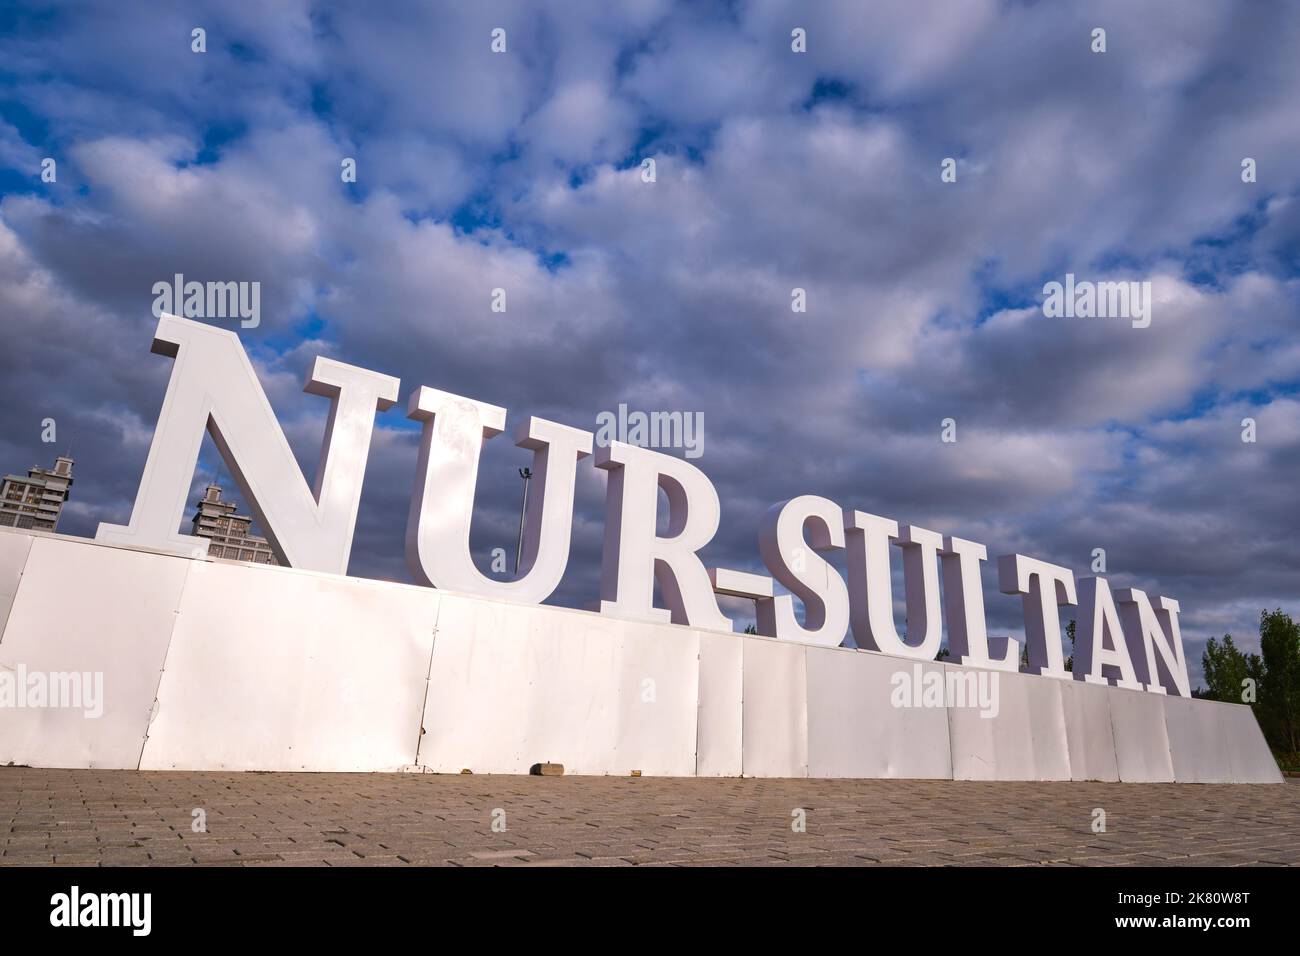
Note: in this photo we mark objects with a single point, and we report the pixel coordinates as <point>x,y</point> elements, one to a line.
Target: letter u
<point>442,505</point>
<point>870,585</point>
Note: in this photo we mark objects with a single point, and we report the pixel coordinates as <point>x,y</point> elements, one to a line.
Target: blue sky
<point>775,170</point>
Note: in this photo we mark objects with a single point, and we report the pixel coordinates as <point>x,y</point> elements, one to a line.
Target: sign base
<point>204,664</point>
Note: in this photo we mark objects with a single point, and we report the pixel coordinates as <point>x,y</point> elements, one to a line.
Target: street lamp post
<point>525,474</point>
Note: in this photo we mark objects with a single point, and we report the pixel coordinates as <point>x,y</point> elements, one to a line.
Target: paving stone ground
<point>124,818</point>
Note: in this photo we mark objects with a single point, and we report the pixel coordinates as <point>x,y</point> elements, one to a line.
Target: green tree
<point>1279,683</point>
<point>1226,670</point>
<point>1276,673</point>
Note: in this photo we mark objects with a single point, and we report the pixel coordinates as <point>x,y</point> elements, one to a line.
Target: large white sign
<point>1123,638</point>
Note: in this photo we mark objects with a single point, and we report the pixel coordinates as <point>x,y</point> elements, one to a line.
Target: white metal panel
<point>14,547</point>
<point>1141,741</point>
<point>775,742</point>
<point>658,680</point>
<point>1088,731</point>
<point>1249,758</point>
<point>91,610</point>
<point>1198,741</point>
<point>512,685</point>
<point>1025,740</point>
<point>278,669</point>
<point>854,729</point>
<point>720,712</point>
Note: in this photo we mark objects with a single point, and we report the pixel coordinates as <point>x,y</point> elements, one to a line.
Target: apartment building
<point>35,502</point>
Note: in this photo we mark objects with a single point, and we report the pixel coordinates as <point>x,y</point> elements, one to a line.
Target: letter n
<point>213,386</point>
<point>1155,642</point>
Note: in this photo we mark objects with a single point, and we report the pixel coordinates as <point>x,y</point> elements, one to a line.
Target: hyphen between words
<point>1123,638</point>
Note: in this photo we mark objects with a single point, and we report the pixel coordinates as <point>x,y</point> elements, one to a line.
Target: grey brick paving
<point>124,818</point>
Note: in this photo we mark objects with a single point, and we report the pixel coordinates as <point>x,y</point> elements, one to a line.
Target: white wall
<point>511,685</point>
<point>13,557</point>
<point>1027,739</point>
<point>854,730</point>
<point>1089,735</point>
<point>277,669</point>
<point>85,608</point>
<point>209,665</point>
